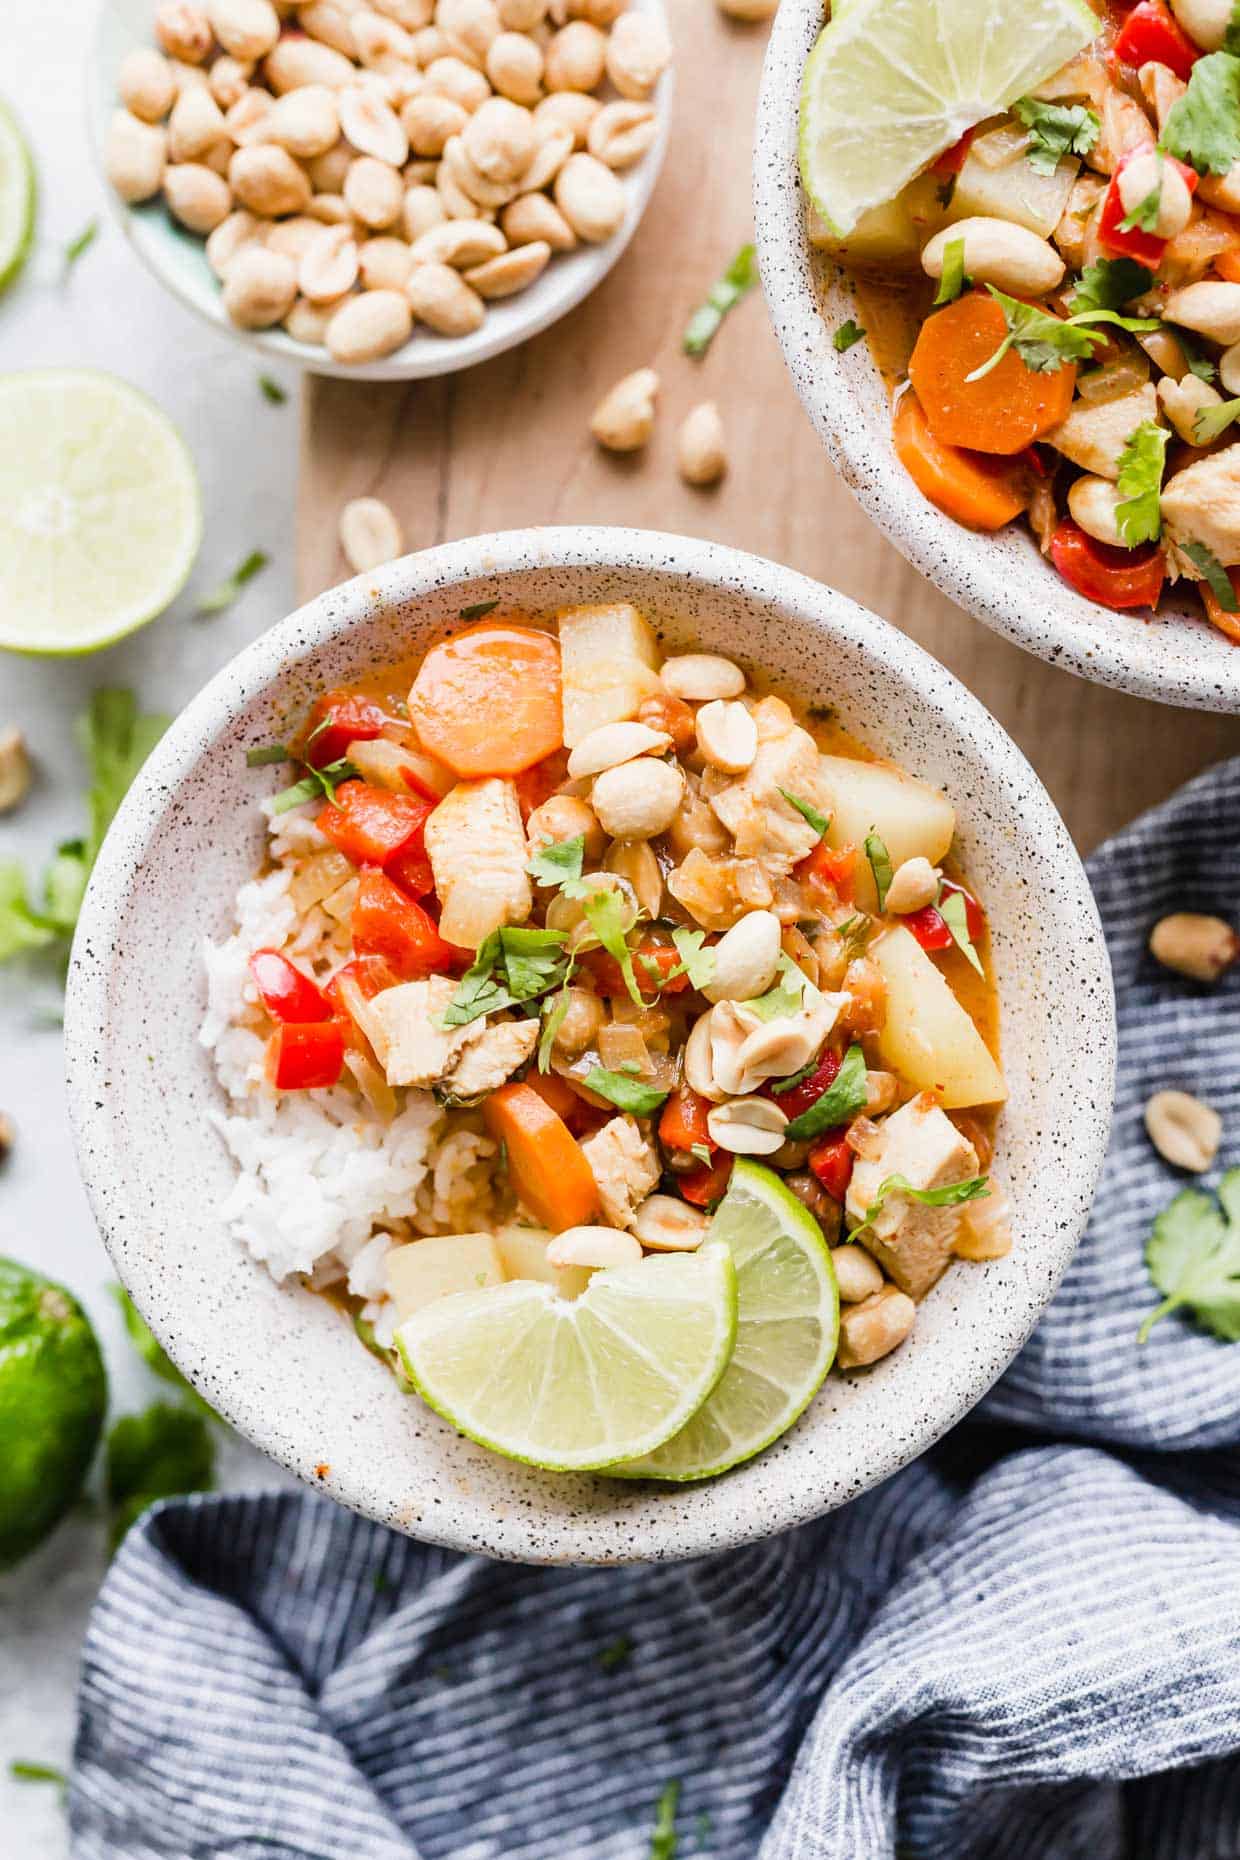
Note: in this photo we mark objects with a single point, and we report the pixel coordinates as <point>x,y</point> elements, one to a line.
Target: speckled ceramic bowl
<point>1176,659</point>
<point>282,1365</point>
<point>177,257</point>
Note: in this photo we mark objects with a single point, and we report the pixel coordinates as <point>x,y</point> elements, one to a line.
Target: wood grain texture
<point>507,444</point>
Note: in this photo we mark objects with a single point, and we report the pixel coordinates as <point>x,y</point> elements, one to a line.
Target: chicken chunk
<point>1202,504</point>
<point>763,824</point>
<point>1094,433</point>
<point>405,1027</point>
<point>476,843</point>
<point>625,1167</point>
<point>484,1064</point>
<point>912,1243</point>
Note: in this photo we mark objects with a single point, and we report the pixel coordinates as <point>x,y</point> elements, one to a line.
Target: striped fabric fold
<point>1026,1646</point>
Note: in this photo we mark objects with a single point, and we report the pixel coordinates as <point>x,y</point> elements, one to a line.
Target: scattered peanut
<point>593,1247</point>
<point>511,272</point>
<point>622,133</point>
<point>998,252</point>
<point>874,1328</point>
<point>267,180</point>
<point>701,451</point>
<point>306,122</point>
<point>591,199</point>
<point>374,192</point>
<point>1198,946</point>
<point>135,157</point>
<point>914,884</point>
<point>443,300</point>
<point>637,800</point>
<point>260,287</point>
<point>1092,502</point>
<point>727,736</point>
<point>564,817</point>
<point>698,677</point>
<point>15,770</point>
<point>857,1275</point>
<point>246,28</point>
<point>368,327</point>
<point>196,196</point>
<point>624,418</point>
<point>747,1126</point>
<point>195,126</point>
<point>532,219</point>
<point>576,57</point>
<point>612,744</point>
<point>638,53</point>
<point>369,534</point>
<point>329,266</point>
<point>665,1224</point>
<point>183,31</point>
<point>384,264</point>
<point>146,84</point>
<point>372,126</point>
<point>1183,1130</point>
<point>746,958</point>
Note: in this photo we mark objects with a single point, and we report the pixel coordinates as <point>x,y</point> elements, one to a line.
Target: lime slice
<point>17,197</point>
<point>890,84</point>
<point>788,1312</point>
<point>574,1384</point>
<point>100,515</point>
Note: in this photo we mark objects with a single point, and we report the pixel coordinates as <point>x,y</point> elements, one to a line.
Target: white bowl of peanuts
<point>381,191</point>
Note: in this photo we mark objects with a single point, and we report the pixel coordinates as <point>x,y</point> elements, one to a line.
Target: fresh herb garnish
<point>855,932</point>
<point>952,1195</point>
<point>554,1015</point>
<point>81,243</point>
<point>153,1353</point>
<point>228,590</point>
<point>557,860</point>
<point>819,822</point>
<point>703,326</point>
<point>1109,285</point>
<point>615,1654</point>
<point>1144,216</point>
<point>271,390</point>
<point>1042,341</point>
<point>22,1771</point>
<point>627,1094</point>
<point>1196,363</point>
<point>510,966</point>
<point>156,1454</point>
<point>605,915</point>
<point>1193,1256</point>
<point>1214,573</point>
<point>953,280</point>
<point>1203,126</point>
<point>1141,462</point>
<point>780,1086</point>
<point>955,914</point>
<point>880,865</point>
<point>1056,130</point>
<point>702,1153</point>
<point>696,961</point>
<point>265,757</point>
<point>846,335</point>
<point>1231,38</point>
<point>843,1098</point>
<point>315,783</point>
<point>1210,422</point>
<point>479,609</point>
<point>663,1838</point>
<point>786,997</point>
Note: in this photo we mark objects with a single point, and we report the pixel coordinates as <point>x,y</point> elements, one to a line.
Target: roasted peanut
<point>228,80</point>
<point>575,58</point>
<point>146,84</point>
<point>443,300</point>
<point>569,110</point>
<point>183,31</point>
<point>857,1275</point>
<point>512,271</point>
<point>874,1328</point>
<point>369,534</point>
<point>1183,1130</point>
<point>499,139</point>
<point>566,817</point>
<point>238,230</point>
<point>610,745</point>
<point>638,52</point>
<point>746,958</point>
<point>622,133</point>
<point>1205,21</point>
<point>372,126</point>
<point>591,199</point>
<point>593,1247</point>
<point>195,126</point>
<point>260,287</point>
<point>727,736</point>
<point>15,770</point>
<point>196,196</point>
<point>329,266</point>
<point>1147,174</point>
<point>581,1024</point>
<point>294,62</point>
<point>1198,946</point>
<point>135,156</point>
<point>422,209</point>
<point>638,800</point>
<point>914,884</point>
<point>666,1224</point>
<point>374,192</point>
<point>532,219</point>
<point>1092,503</point>
<point>475,24</point>
<point>267,180</point>
<point>328,21</point>
<point>306,121</point>
<point>368,327</point>
<point>624,418</point>
<point>701,449</point>
<point>458,243</point>
<point>384,264</point>
<point>453,78</point>
<point>998,252</point>
<point>245,28</point>
<point>430,119</point>
<point>1212,308</point>
<point>700,676</point>
<point>747,1126</point>
<point>515,67</point>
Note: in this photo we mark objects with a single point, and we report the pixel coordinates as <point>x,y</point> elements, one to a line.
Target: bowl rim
<point>293,641</point>
<point>1177,659</point>
<point>425,356</point>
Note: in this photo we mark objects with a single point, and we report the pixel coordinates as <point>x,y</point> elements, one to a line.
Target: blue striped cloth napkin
<point>1026,1646</point>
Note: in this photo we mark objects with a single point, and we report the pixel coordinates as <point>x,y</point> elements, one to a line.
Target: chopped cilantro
<point>663,1837</point>
<point>554,1014</point>
<point>1197,363</point>
<point>1210,422</point>
<point>510,966</point>
<point>1056,130</point>
<point>703,326</point>
<point>952,1195</point>
<point>955,914</point>
<point>264,758</point>
<point>479,610</point>
<point>1144,216</point>
<point>1137,514</point>
<point>557,860</point>
<point>1203,126</point>
<point>226,592</point>
<point>880,865</point>
<point>843,1098</point>
<point>271,390</point>
<point>1109,285</point>
<point>627,1094</point>
<point>605,911</point>
<point>22,1771</point>
<point>786,997</point>
<point>615,1654</point>
<point>846,335</point>
<point>1193,1256</point>
<point>953,279</point>
<point>81,243</point>
<point>313,784</point>
<point>779,1086</point>
<point>1213,572</point>
<point>819,822</point>
<point>697,962</point>
<point>1042,341</point>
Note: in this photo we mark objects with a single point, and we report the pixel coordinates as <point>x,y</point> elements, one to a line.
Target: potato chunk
<point>524,1253</point>
<point>928,1037</point>
<point>425,1270</point>
<point>610,666</point>
<point>911,817</point>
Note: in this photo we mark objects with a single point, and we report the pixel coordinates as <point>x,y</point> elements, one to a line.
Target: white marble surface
<point>106,314</point>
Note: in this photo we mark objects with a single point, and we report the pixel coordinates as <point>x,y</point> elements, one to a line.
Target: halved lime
<point>575,1384</point>
<point>788,1311</point>
<point>100,514</point>
<point>17,197</point>
<point>890,84</point>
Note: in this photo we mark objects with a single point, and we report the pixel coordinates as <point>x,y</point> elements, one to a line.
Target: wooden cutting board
<point>506,444</point>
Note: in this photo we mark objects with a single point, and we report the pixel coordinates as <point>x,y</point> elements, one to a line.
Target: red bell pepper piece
<point>811,1088</point>
<point>540,781</point>
<point>372,975</point>
<point>952,160</point>
<point>702,1187</point>
<point>608,976</point>
<point>338,719</point>
<point>1116,578</point>
<point>929,928</point>
<point>831,1160</point>
<point>411,869</point>
<point>1146,248</point>
<point>1227,624</point>
<point>829,872</point>
<point>371,825</point>
<point>386,923</point>
<point>285,992</point>
<point>683,1124</point>
<point>305,1056</point>
<point>1150,35</point>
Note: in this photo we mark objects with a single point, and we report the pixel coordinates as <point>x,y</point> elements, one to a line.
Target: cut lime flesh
<point>890,84</point>
<point>572,1385</point>
<point>100,513</point>
<point>17,197</point>
<point>787,1325</point>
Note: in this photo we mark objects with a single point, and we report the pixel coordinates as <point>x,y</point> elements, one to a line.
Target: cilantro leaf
<point>266,756</point>
<point>786,997</point>
<point>1042,341</point>
<point>880,865</point>
<point>479,610</point>
<point>846,335</point>
<point>1203,126</point>
<point>533,960</point>
<point>313,784</point>
<point>615,1654</point>
<point>1193,1256</point>
<point>81,243</point>
<point>64,885</point>
<point>271,390</point>
<point>702,1153</point>
<point>152,1351</point>
<point>951,1195</point>
<point>953,279</point>
<point>1197,363</point>
<point>556,860</point>
<point>1141,462</point>
<point>703,326</point>
<point>1210,422</point>
<point>1056,130</point>
<point>954,912</point>
<point>819,822</point>
<point>553,1019</point>
<point>663,1838</point>
<point>1144,216</point>
<point>22,1771</point>
<point>1109,285</point>
<point>697,962</point>
<point>843,1098</point>
<point>855,932</point>
<point>156,1454</point>
<point>479,991</point>
<point>1212,570</point>
<point>605,911</point>
<point>627,1094</point>
<point>226,592</point>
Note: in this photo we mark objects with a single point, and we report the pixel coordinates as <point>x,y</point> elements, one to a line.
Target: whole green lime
<point>53,1394</point>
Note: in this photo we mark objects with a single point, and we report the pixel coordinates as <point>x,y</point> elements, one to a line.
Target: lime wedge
<point>788,1312</point>
<point>890,84</point>
<point>574,1384</point>
<point>17,197</point>
<point>100,515</point>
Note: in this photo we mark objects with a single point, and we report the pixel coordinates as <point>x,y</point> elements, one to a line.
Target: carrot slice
<point>487,701</point>
<point>1008,408</point>
<point>1227,624</point>
<point>546,1164</point>
<point>977,490</point>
